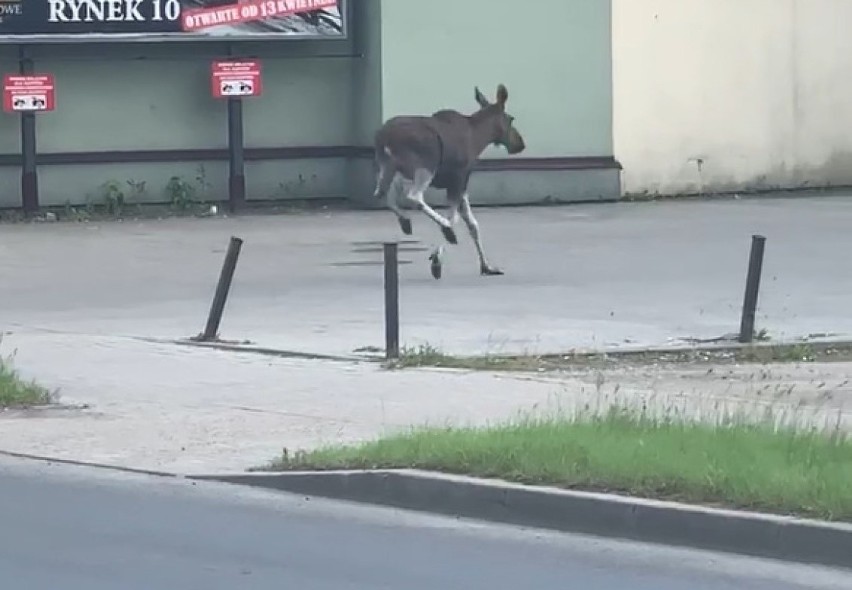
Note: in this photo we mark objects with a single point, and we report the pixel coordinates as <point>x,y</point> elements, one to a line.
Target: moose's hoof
<point>436,266</point>
<point>450,235</point>
<point>405,224</point>
<point>491,271</point>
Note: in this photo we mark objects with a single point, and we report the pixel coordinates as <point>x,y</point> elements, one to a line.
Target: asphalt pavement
<point>85,529</point>
<point>598,275</point>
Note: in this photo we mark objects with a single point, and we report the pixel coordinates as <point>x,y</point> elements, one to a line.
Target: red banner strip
<point>251,10</point>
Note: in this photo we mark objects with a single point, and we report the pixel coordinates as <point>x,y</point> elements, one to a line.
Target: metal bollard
<point>391,255</point>
<point>222,288</point>
<point>755,267</point>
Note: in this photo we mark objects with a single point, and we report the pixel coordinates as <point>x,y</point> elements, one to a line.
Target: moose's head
<point>502,123</point>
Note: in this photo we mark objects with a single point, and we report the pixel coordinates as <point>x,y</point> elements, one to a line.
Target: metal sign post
<point>28,93</point>
<point>232,80</point>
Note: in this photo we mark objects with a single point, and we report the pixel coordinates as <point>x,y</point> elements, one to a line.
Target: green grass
<point>730,463</point>
<point>759,352</point>
<point>15,392</point>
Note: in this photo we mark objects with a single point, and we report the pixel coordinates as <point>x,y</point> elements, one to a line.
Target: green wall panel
<point>557,69</point>
<point>405,56</point>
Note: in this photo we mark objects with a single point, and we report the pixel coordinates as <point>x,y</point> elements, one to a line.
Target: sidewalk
<point>78,296</point>
<point>189,410</point>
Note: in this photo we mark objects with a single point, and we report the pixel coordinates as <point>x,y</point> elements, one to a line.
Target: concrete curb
<point>259,350</point>
<point>670,523</point>
<point>78,463</point>
<point>722,345</point>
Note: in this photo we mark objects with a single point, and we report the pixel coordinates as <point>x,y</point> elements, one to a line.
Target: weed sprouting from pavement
<point>15,392</point>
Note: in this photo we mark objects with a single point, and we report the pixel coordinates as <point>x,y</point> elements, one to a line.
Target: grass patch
<point>426,355</point>
<point>728,462</point>
<point>759,352</point>
<point>15,392</point>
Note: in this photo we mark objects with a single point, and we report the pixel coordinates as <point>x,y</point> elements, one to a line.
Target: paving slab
<point>626,274</point>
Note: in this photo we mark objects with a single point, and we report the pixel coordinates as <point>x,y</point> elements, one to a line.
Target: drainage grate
<point>365,263</point>
<point>380,243</point>
<point>400,249</point>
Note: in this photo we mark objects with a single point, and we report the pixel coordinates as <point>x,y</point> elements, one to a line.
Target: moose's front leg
<point>473,227</point>
<point>437,255</point>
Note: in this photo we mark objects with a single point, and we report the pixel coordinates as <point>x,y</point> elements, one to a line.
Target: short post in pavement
<point>222,288</point>
<point>391,256</point>
<point>755,267</point>
<point>236,155</point>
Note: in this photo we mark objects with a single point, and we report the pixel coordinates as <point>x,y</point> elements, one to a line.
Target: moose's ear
<point>502,95</point>
<point>480,98</point>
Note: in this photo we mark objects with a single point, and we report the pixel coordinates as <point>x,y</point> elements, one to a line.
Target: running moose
<point>440,151</point>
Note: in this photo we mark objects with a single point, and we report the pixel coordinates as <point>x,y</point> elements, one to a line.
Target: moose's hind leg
<point>384,177</point>
<point>422,178</point>
<point>387,174</point>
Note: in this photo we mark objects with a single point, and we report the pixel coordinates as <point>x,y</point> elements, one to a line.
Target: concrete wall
<point>719,95</point>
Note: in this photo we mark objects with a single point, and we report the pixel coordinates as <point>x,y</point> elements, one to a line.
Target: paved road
<point>585,275</point>
<point>80,529</point>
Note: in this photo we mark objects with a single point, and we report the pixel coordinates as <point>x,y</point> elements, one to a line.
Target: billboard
<point>181,20</point>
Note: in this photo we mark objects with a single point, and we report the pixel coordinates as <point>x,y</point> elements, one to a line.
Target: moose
<point>440,151</point>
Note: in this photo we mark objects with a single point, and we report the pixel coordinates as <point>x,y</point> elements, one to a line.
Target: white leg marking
<point>437,255</point>
<point>422,178</point>
<point>453,216</point>
<point>379,178</point>
<point>391,196</point>
<point>473,228</point>
<point>393,204</point>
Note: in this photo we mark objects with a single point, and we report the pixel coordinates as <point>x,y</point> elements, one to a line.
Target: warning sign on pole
<point>28,93</point>
<point>236,78</point>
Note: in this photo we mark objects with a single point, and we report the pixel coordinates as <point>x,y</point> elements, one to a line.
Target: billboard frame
<point>180,37</point>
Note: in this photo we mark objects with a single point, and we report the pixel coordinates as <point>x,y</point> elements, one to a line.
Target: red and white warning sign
<point>28,93</point>
<point>242,11</point>
<point>236,78</point>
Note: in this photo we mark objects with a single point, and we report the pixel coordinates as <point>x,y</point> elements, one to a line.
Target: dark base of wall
<point>745,193</point>
<point>502,181</point>
<point>297,153</point>
<point>545,187</point>
<point>190,155</point>
<point>516,181</point>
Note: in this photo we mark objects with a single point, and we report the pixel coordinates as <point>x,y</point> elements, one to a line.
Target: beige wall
<point>732,94</point>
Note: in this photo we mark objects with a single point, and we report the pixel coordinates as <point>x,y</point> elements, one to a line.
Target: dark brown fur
<point>440,151</point>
